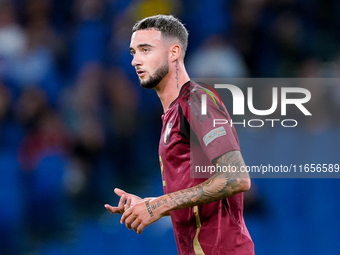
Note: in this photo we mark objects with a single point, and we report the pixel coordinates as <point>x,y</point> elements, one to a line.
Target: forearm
<point>219,186</point>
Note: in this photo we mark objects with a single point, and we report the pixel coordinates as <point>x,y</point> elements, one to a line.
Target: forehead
<point>151,37</point>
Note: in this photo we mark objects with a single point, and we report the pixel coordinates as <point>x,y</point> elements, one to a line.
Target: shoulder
<point>191,88</point>
<point>191,95</point>
<point>195,97</point>
<point>189,100</point>
<point>193,91</point>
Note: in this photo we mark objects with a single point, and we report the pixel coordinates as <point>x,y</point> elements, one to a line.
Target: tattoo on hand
<point>149,208</point>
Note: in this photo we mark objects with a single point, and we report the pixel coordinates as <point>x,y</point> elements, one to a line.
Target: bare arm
<point>219,186</point>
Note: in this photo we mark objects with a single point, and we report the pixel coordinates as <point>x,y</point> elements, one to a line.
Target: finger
<point>112,209</point>
<point>128,204</point>
<point>128,223</point>
<point>121,203</point>
<point>126,214</point>
<point>119,192</point>
<point>140,228</point>
<point>129,220</point>
<point>135,224</point>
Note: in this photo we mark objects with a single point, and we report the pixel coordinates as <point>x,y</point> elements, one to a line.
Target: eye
<point>132,53</point>
<point>145,50</point>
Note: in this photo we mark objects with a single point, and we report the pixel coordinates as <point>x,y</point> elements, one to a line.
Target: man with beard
<point>207,213</point>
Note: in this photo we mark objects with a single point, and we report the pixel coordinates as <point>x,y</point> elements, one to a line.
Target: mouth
<point>140,73</point>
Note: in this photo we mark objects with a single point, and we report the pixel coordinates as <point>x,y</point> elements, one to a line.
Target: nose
<point>136,61</point>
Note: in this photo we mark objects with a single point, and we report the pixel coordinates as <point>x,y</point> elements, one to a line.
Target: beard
<point>156,78</point>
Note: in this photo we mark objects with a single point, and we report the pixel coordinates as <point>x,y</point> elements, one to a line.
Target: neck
<point>168,89</point>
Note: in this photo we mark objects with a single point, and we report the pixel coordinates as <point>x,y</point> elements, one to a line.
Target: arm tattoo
<point>154,205</point>
<point>219,186</point>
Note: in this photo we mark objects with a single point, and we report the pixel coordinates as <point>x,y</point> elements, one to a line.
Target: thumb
<point>119,192</point>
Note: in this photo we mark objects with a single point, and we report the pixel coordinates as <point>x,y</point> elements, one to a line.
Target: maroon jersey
<point>188,140</point>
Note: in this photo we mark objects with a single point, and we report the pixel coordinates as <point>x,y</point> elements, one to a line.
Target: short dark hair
<point>168,25</point>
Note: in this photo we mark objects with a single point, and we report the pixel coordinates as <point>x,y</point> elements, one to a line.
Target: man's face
<point>149,52</point>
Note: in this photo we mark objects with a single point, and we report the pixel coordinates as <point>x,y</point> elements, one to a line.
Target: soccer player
<point>207,213</point>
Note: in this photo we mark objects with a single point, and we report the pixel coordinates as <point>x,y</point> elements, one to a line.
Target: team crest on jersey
<point>167,132</point>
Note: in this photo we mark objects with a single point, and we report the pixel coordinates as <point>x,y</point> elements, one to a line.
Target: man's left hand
<point>141,215</point>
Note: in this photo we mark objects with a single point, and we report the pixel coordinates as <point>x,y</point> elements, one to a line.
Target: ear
<point>175,52</point>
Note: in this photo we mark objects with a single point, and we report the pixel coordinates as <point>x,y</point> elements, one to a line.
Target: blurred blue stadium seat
<point>11,205</point>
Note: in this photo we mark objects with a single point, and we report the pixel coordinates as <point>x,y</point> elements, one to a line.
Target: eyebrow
<point>141,46</point>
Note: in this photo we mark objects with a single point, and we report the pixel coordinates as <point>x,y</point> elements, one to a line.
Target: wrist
<point>161,204</point>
